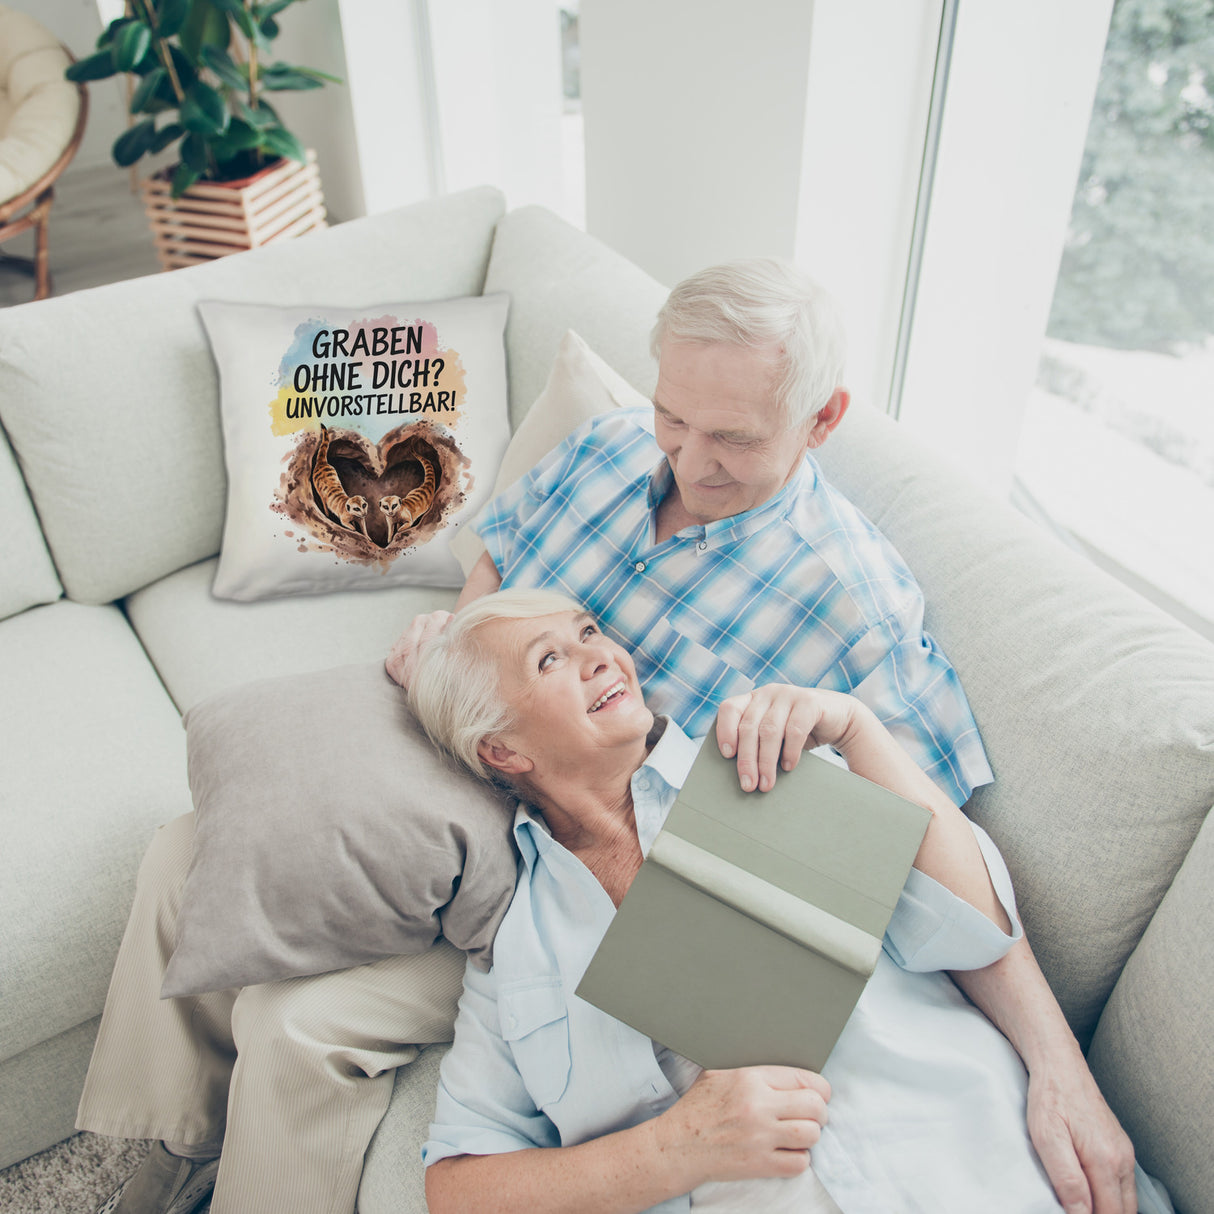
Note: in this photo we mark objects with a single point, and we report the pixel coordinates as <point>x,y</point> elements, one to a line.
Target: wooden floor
<point>98,234</point>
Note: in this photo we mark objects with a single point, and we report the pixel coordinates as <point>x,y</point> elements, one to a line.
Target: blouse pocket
<point>535,1023</point>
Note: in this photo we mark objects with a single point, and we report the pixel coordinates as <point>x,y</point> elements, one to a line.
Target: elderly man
<point>704,538</point>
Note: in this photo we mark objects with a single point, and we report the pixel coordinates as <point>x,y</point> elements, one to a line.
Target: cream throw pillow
<point>580,386</point>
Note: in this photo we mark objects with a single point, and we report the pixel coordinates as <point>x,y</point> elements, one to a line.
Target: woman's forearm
<point>620,1173</point>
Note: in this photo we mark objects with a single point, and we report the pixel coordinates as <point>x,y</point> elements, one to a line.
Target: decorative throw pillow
<point>580,386</point>
<point>357,440</point>
<point>329,833</point>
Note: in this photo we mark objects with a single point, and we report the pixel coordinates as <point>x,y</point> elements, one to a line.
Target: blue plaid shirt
<point>802,589</point>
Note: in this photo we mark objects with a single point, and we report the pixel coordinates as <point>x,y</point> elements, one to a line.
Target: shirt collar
<point>737,526</point>
<point>655,784</point>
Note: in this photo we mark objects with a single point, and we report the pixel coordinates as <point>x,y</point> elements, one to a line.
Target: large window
<point>1117,444</point>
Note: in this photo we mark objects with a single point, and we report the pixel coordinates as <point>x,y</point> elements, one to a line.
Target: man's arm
<point>1087,1155</point>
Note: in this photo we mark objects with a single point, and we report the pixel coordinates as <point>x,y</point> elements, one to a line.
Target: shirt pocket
<point>535,1024</point>
<point>683,672</point>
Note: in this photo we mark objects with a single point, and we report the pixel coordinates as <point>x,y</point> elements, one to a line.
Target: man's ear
<point>829,416</point>
<point>494,753</point>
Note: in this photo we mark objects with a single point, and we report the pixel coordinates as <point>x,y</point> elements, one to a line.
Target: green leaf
<point>183,178</point>
<point>95,67</point>
<point>281,142</point>
<point>225,67</point>
<point>262,118</point>
<point>166,135</point>
<point>171,16</point>
<point>205,26</point>
<point>241,137</point>
<point>269,30</point>
<point>186,71</point>
<point>271,9</point>
<point>132,144</point>
<point>279,77</point>
<point>203,111</point>
<point>144,97</point>
<point>238,13</point>
<point>108,34</point>
<point>130,45</point>
<point>317,74</point>
<point>194,153</point>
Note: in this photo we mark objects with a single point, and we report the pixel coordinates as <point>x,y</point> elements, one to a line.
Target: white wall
<point>788,129</point>
<point>497,72</point>
<point>694,118</point>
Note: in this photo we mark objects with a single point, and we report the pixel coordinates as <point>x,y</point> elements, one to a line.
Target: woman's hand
<point>755,1121</point>
<point>402,659</point>
<point>772,725</point>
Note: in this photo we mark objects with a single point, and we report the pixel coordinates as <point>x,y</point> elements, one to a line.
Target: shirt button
<point>702,545</point>
<point>639,566</point>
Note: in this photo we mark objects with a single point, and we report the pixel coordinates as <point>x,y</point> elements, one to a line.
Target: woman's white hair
<point>454,691</point>
<point>763,303</point>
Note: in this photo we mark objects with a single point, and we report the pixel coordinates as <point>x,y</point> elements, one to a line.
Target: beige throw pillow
<point>580,386</point>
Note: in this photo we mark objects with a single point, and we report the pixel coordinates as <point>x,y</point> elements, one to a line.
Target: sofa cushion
<point>27,575</point>
<point>201,645</point>
<point>559,278</point>
<point>111,400</point>
<point>357,441</point>
<point>1097,711</point>
<point>393,1179</point>
<point>1152,1054</point>
<point>93,760</point>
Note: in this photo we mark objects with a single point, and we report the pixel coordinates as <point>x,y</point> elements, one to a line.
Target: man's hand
<point>1087,1155</point>
<point>770,727</point>
<point>400,661</point>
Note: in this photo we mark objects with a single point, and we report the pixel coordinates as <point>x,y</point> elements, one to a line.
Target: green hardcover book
<point>756,919</point>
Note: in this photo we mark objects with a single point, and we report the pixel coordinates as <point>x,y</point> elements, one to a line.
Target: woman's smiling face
<point>573,692</point>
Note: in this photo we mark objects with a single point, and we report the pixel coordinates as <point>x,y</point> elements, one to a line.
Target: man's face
<point>716,419</point>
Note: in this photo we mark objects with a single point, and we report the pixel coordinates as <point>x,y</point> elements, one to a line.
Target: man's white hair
<point>455,692</point>
<point>763,303</point>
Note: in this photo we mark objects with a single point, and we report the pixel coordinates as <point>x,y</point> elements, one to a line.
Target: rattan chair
<point>42,117</point>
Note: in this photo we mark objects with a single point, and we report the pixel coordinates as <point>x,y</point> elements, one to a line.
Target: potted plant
<point>201,71</point>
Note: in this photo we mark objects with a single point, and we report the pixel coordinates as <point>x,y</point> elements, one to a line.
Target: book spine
<point>802,922</point>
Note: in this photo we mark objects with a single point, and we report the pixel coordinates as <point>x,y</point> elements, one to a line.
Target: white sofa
<point>1097,711</point>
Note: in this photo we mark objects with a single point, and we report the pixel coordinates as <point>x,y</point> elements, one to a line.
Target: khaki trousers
<point>293,1076</point>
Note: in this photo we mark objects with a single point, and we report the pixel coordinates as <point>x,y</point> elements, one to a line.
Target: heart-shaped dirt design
<point>369,502</point>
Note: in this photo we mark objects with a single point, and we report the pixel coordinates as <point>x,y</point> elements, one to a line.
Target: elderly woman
<point>547,1103</point>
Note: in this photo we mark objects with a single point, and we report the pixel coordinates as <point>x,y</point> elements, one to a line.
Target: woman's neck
<point>591,814</point>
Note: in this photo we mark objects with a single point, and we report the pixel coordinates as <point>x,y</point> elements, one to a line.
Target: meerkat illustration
<point>417,501</point>
<point>390,506</point>
<point>332,494</point>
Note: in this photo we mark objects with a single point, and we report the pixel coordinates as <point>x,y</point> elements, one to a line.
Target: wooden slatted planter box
<point>215,218</point>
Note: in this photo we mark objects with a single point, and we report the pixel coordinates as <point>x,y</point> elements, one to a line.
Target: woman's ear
<point>496,754</point>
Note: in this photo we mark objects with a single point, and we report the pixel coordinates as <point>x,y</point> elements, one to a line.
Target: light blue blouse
<point>928,1104</point>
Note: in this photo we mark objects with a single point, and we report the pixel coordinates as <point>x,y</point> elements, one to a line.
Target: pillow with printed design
<point>358,441</point>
